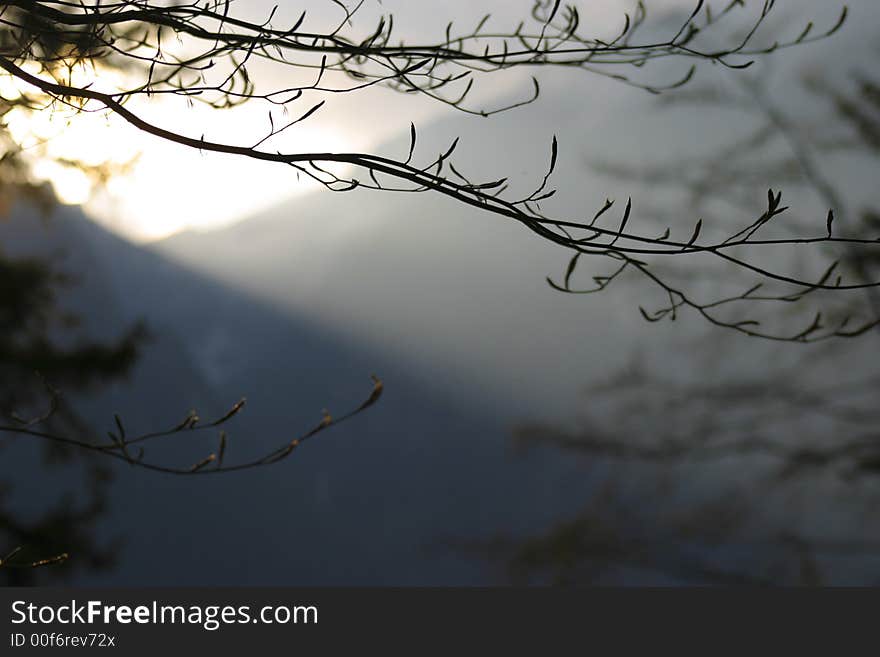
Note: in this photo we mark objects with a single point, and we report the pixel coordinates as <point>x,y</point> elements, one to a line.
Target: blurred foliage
<point>762,478</point>
<point>37,355</point>
<point>32,363</point>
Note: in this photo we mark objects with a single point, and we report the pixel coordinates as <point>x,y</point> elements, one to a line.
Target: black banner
<point>269,621</point>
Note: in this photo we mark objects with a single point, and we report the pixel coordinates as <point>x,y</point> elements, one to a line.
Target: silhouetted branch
<point>9,561</point>
<point>57,32</point>
<point>120,445</point>
<point>60,38</point>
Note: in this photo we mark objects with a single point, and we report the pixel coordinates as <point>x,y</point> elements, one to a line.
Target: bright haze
<point>200,190</point>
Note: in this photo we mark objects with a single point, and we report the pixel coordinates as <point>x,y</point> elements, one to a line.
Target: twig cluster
<point>130,448</point>
<point>10,560</point>
<point>60,35</point>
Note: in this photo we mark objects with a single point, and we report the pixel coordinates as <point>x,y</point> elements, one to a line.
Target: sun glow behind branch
<point>135,183</point>
<point>171,188</point>
<point>157,188</point>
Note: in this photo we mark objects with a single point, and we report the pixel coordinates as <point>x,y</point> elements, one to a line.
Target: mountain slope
<point>372,501</point>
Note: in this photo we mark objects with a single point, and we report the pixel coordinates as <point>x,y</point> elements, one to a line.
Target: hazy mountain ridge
<point>416,469</point>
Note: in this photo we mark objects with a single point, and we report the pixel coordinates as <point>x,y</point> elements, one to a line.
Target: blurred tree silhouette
<point>727,477</point>
<point>32,354</point>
